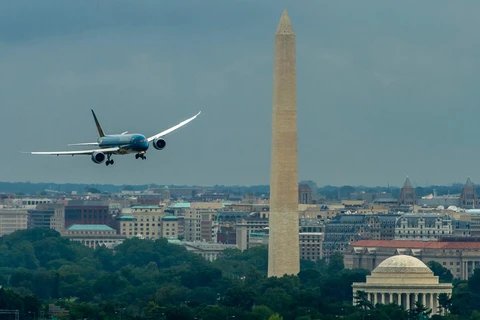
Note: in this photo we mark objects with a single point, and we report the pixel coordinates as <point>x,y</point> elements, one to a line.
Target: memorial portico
<point>403,280</point>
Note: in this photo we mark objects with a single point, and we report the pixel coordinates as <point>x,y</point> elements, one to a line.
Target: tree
<point>461,300</point>
<point>158,280</point>
<point>444,301</point>
<point>92,190</point>
<point>214,312</point>
<point>153,311</point>
<point>336,263</point>
<point>345,191</point>
<point>261,312</point>
<point>239,296</point>
<point>474,281</point>
<point>390,311</point>
<point>419,311</point>
<point>361,300</point>
<point>444,274</point>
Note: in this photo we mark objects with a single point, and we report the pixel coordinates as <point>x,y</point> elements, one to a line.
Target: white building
<point>403,280</point>
<point>12,219</point>
<point>209,251</point>
<point>423,227</point>
<point>94,235</point>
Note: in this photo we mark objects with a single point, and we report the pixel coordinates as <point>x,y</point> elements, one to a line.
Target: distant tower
<point>166,194</point>
<point>407,194</point>
<point>283,250</point>
<point>304,194</point>
<point>468,198</point>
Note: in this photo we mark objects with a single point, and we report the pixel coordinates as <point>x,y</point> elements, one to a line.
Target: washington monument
<point>283,251</point>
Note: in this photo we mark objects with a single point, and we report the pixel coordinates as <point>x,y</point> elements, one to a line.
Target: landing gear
<point>109,161</point>
<point>140,155</point>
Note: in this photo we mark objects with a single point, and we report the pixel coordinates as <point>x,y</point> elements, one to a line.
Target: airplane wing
<point>181,124</point>
<point>75,153</point>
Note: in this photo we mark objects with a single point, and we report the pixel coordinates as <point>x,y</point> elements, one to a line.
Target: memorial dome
<point>402,264</point>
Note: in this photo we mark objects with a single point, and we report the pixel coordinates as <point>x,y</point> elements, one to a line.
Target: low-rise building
<point>47,216</point>
<point>412,226</point>
<point>86,212</point>
<point>347,228</point>
<point>245,227</point>
<point>93,235</point>
<point>12,219</point>
<point>170,227</point>
<point>210,251</point>
<point>310,245</point>
<point>141,221</point>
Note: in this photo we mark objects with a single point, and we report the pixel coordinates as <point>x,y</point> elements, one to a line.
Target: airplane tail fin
<point>99,127</point>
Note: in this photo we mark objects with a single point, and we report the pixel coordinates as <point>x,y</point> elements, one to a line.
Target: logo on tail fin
<point>99,127</point>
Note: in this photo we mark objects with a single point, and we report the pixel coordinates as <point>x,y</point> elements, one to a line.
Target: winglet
<point>99,127</point>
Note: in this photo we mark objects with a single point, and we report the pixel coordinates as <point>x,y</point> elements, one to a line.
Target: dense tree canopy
<point>143,279</point>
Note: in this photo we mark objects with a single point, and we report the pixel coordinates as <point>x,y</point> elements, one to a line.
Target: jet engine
<point>159,143</point>
<point>98,157</point>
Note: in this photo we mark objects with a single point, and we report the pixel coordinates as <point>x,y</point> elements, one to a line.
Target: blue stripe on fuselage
<point>134,142</point>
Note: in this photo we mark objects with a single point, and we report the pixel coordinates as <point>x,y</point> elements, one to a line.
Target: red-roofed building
<point>460,257</point>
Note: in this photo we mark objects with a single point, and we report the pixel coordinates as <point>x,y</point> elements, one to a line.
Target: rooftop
<point>181,205</point>
<point>170,218</point>
<point>402,264</point>
<point>89,227</point>
<point>418,244</point>
<point>146,207</point>
<point>257,234</point>
<point>125,218</point>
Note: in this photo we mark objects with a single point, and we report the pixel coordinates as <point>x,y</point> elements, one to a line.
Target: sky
<point>385,89</point>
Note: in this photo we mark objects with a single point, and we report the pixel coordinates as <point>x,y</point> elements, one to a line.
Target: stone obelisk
<point>283,250</point>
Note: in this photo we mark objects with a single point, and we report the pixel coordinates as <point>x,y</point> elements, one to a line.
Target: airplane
<point>119,144</point>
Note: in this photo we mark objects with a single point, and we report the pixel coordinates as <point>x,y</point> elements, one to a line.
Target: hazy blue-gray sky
<point>384,89</point>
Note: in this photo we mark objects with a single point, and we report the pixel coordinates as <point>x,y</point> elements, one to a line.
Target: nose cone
<point>140,145</point>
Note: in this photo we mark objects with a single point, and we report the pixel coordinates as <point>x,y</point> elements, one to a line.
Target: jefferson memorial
<point>403,280</point>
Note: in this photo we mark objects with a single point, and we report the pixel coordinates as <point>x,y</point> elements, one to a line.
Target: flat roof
<point>146,207</point>
<point>126,218</point>
<point>418,244</point>
<point>257,234</point>
<point>89,227</point>
<point>181,205</point>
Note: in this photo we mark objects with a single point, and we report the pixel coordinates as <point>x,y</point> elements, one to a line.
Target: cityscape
<point>292,249</point>
<point>363,226</point>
